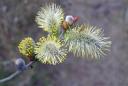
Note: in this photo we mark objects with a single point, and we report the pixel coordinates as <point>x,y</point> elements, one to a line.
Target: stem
<point>15,73</point>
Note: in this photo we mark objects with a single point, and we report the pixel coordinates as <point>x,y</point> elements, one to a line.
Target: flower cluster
<point>82,40</point>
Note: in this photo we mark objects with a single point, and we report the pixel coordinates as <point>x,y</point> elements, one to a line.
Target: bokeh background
<point>17,21</point>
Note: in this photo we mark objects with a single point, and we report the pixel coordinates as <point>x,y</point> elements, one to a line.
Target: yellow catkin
<point>26,47</point>
<point>48,50</point>
<point>87,41</point>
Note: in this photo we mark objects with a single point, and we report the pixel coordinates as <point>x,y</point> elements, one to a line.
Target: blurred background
<point>17,21</point>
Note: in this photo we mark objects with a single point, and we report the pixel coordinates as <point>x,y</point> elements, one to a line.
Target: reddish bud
<point>76,18</point>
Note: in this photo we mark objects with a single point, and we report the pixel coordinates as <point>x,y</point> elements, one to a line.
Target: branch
<point>15,73</point>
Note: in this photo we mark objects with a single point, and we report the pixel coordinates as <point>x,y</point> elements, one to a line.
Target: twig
<point>15,74</point>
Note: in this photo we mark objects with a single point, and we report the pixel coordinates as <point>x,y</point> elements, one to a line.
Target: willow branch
<point>15,73</point>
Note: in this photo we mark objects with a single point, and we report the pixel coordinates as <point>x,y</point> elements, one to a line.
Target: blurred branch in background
<point>18,72</point>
